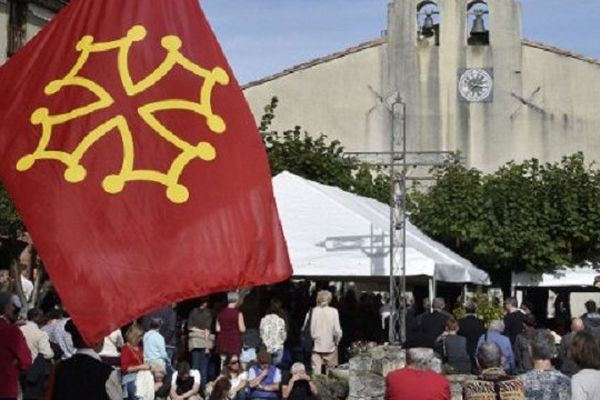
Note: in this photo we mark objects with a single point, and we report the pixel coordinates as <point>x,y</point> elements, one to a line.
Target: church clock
<point>476,85</point>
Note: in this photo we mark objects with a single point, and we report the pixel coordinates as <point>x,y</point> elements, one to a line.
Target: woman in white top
<point>273,332</point>
<point>585,352</point>
<point>235,375</point>
<point>111,348</point>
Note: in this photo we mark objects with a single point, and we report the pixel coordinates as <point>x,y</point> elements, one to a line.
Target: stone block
<point>361,363</point>
<point>366,386</point>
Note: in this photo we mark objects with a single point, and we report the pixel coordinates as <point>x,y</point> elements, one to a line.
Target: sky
<point>263,37</point>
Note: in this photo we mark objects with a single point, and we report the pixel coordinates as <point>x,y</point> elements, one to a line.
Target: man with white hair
<point>298,385</point>
<point>513,319</point>
<point>417,381</point>
<point>326,332</point>
<point>433,324</point>
<point>494,334</point>
<point>493,382</point>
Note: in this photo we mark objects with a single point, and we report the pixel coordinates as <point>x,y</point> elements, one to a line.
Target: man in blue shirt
<point>494,335</point>
<point>155,350</point>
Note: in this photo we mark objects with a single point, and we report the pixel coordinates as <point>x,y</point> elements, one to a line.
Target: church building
<point>469,80</point>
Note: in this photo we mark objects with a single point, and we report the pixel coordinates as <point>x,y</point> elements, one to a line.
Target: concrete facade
<point>3,30</point>
<point>545,100</point>
<point>340,93</point>
<point>37,16</point>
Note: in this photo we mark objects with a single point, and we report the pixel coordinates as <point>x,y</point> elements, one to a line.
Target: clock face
<point>475,84</point>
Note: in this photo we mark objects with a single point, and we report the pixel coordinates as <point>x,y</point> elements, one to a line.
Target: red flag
<point>131,153</point>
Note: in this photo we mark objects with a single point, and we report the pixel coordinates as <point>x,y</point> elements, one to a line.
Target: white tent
<point>579,280</point>
<point>333,233</point>
<point>581,276</point>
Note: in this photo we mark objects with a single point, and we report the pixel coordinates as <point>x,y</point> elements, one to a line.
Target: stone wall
<point>368,371</point>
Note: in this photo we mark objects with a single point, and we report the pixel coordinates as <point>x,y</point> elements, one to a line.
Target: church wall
<point>341,98</point>
<point>489,125</point>
<point>545,101</point>
<point>563,116</point>
<point>426,76</point>
<point>34,25</point>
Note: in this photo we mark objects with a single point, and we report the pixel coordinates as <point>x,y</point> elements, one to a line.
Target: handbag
<point>144,385</point>
<point>198,340</point>
<point>306,340</point>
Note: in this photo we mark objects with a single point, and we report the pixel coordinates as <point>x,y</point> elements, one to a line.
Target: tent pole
<point>397,329</point>
<point>431,291</point>
<point>393,318</point>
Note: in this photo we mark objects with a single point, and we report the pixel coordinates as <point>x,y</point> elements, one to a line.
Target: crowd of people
<point>271,345</point>
<point>513,358</point>
<point>209,353</point>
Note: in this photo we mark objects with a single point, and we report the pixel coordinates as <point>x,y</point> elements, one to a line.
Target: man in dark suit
<point>433,324</point>
<point>513,320</point>
<point>84,375</point>
<point>471,328</point>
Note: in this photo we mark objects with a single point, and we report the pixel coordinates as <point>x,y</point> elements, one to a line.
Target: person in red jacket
<point>15,356</point>
<point>416,381</point>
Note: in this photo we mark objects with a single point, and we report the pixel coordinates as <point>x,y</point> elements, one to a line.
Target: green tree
<point>523,217</point>
<point>320,160</point>
<point>487,309</point>
<point>450,209</point>
<point>10,220</point>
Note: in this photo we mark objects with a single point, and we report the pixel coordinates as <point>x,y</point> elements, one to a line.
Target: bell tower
<point>457,66</point>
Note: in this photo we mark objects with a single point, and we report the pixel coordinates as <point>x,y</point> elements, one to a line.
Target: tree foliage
<point>525,216</point>
<point>488,309</point>
<point>10,220</point>
<point>318,159</point>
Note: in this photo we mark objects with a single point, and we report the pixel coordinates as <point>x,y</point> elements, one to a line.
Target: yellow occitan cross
<point>75,172</point>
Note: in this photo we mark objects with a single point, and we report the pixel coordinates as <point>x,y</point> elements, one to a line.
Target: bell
<point>479,35</point>
<point>427,28</point>
<point>478,25</point>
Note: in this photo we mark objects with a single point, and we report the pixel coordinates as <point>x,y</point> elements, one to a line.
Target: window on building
<point>478,23</point>
<point>17,19</point>
<point>428,23</point>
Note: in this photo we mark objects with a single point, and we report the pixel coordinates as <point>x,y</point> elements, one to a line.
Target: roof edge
<point>560,51</point>
<point>316,61</point>
<point>378,42</point>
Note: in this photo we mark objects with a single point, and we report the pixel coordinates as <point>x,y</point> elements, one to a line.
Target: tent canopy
<point>333,233</point>
<point>581,276</point>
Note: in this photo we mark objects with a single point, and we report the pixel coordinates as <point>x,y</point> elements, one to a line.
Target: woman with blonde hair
<point>324,298</point>
<point>325,331</point>
<point>132,360</point>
